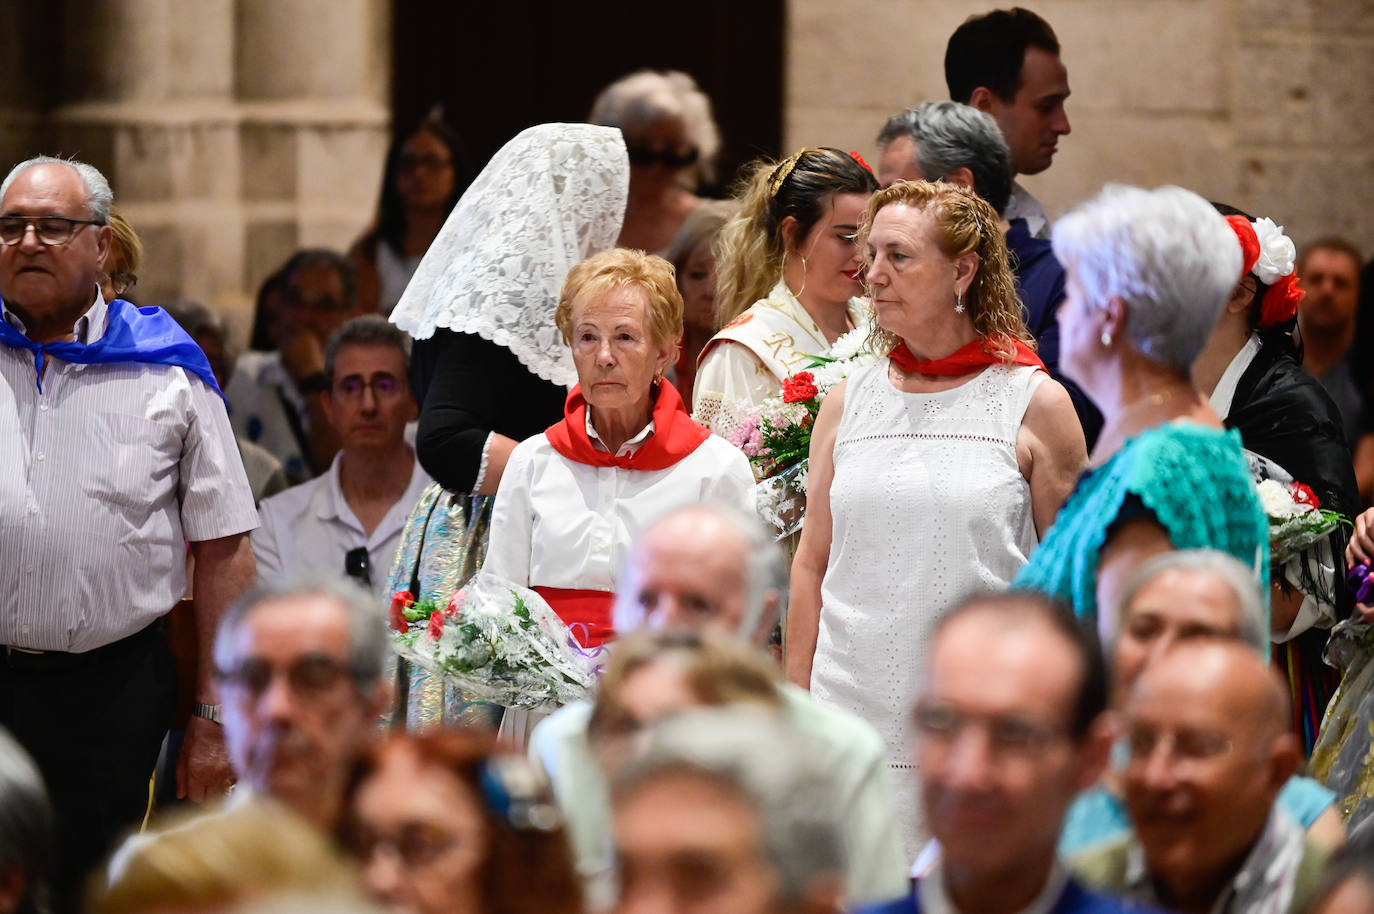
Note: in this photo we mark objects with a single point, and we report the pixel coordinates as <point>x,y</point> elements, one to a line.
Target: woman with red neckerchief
<point>933,472</point>
<point>573,499</point>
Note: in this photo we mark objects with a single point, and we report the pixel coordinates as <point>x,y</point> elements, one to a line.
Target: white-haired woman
<point>488,367</point>
<point>672,142</point>
<point>1149,271</point>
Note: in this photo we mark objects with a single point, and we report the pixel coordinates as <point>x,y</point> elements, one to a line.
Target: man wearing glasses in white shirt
<point>349,520</point>
<point>115,453</point>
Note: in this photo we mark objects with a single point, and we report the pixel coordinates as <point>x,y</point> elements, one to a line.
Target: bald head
<point>1223,676</point>
<point>702,565</point>
<point>1207,724</point>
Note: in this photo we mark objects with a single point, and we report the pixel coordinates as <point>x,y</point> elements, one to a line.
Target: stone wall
<point>1265,104</point>
<point>232,131</point>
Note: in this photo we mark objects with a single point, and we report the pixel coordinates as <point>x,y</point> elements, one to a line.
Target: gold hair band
<point>775,181</point>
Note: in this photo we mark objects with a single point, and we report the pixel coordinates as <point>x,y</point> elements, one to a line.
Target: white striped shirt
<point>104,476</point>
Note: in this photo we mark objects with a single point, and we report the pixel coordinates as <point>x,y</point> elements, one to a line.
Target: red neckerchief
<point>962,360</point>
<point>675,434</point>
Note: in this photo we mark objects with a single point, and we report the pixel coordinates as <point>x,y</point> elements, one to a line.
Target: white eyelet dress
<point>928,505</point>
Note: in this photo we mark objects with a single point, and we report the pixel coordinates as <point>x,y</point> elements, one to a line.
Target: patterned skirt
<point>441,549</point>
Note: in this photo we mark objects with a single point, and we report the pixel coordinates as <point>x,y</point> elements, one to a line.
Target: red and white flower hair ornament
<point>1272,257</point>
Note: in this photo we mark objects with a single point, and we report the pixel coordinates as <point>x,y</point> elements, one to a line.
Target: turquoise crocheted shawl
<point>1192,477</point>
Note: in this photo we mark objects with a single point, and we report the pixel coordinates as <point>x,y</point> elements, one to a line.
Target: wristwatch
<point>207,712</point>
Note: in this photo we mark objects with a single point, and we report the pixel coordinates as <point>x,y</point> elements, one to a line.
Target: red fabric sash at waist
<point>587,613</point>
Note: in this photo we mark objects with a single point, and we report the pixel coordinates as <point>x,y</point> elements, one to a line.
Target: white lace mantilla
<point>549,199</point>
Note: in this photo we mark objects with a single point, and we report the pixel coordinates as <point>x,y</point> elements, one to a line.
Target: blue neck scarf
<point>132,334</point>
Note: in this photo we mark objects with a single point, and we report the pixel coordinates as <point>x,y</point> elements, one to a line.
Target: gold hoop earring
<point>798,293</point>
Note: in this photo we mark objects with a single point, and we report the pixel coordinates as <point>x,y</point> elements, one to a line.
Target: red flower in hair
<point>860,159</point>
<point>801,386</point>
<point>1249,241</point>
<point>1280,303</point>
<point>400,602</point>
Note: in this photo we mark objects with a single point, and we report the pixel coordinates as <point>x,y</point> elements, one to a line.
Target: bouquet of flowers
<point>1296,517</point>
<point>776,436</point>
<point>496,642</point>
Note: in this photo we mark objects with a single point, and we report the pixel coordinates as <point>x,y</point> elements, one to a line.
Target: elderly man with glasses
<point>301,670</point>
<point>350,519</point>
<point>115,452</point>
<point>1209,750</point>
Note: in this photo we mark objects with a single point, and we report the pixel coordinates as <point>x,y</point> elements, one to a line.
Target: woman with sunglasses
<point>672,142</point>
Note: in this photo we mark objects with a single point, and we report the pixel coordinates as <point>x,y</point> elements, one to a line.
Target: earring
<point>803,285</point>
<point>1106,339</point>
<point>959,302</point>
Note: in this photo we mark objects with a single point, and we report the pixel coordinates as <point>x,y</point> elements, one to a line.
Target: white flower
<point>850,344</point>
<point>1275,499</point>
<point>1277,252</point>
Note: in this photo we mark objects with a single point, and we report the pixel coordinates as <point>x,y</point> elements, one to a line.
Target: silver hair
<point>949,136</point>
<point>28,831</point>
<point>636,102</point>
<point>99,197</point>
<point>1165,253</point>
<point>752,752</point>
<point>766,572</point>
<point>368,642</point>
<point>365,330</point>
<point>1251,625</point>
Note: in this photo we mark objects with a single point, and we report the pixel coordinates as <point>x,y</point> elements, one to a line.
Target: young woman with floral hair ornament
<point>787,278</point>
<point>1252,372</point>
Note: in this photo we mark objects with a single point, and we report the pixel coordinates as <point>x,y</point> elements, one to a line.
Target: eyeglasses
<point>415,844</point>
<point>1181,747</point>
<point>383,387</point>
<point>51,230</point>
<point>1008,736</point>
<point>419,163</point>
<point>669,158</point>
<point>358,565</point>
<point>311,677</point>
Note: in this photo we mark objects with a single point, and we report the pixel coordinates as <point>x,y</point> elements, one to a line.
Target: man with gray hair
<point>301,667</point>
<point>350,518</point>
<point>1172,598</point>
<point>709,566</point>
<point>726,811</point>
<point>115,452</point>
<point>947,141</point>
<point>28,834</point>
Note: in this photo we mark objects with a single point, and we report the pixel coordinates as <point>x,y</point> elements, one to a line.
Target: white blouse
<point>559,523</point>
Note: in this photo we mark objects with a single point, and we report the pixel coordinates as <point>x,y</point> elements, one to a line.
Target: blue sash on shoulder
<point>132,334</point>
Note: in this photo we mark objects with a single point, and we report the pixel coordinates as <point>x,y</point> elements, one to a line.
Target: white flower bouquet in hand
<point>496,642</point>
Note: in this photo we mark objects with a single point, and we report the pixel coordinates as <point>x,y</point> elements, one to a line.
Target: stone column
<point>232,131</point>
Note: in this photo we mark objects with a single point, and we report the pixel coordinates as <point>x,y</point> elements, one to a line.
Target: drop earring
<point>958,302</point>
<point>1106,339</point>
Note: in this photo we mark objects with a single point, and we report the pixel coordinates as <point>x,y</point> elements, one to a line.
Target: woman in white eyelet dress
<point>930,475</point>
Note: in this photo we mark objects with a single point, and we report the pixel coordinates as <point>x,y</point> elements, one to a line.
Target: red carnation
<point>400,602</point>
<point>801,386</point>
<point>455,606</point>
<point>1280,303</point>
<point>436,624</point>
<point>1303,495</point>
